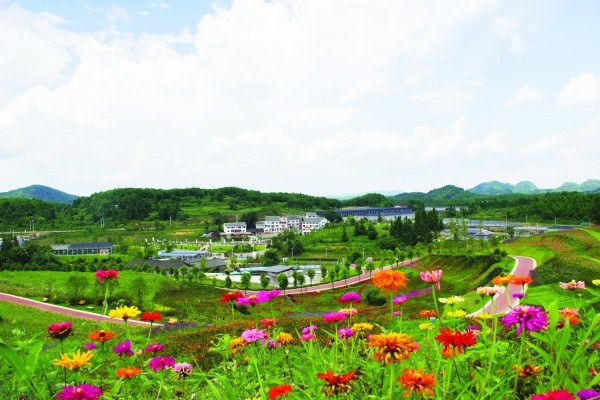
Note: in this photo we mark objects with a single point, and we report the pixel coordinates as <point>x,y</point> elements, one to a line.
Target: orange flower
<point>236,345</point>
<point>101,335</point>
<point>390,280</point>
<point>502,280</point>
<point>151,316</point>
<point>521,280</point>
<point>528,370</point>
<point>392,347</point>
<point>455,342</point>
<point>417,382</point>
<point>338,383</point>
<point>427,313</point>
<point>128,372</point>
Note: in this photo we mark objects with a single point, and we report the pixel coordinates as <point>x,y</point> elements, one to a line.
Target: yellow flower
<point>362,326</point>
<point>78,360</point>
<point>426,326</point>
<point>124,312</point>
<point>596,282</point>
<point>451,300</point>
<point>237,345</point>
<point>485,315</point>
<point>285,338</point>
<point>457,313</point>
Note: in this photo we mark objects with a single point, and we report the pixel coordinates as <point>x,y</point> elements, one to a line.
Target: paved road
<point>500,305</point>
<point>65,311</point>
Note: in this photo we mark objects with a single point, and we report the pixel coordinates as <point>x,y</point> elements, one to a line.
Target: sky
<point>317,97</point>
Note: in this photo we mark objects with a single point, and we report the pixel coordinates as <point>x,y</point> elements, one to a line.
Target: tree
<point>323,272</point>
<point>370,267</point>
<point>264,280</point>
<point>139,288</point>
<point>183,270</point>
<point>228,282</point>
<point>246,278</point>
<point>311,274</point>
<point>344,234</point>
<point>283,281</point>
<point>358,269</point>
<point>195,271</point>
<point>301,279</point>
<point>271,257</point>
<point>345,274</point>
<point>76,285</point>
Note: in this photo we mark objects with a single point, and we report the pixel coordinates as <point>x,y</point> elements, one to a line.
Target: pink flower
<point>183,370</point>
<point>530,318</point>
<point>101,275</point>
<point>252,335</point>
<point>432,277</point>
<point>491,290</point>
<point>60,330</point>
<point>396,313</point>
<point>161,362</point>
<point>154,348</point>
<point>399,300</point>
<point>307,336</point>
<point>573,285</point>
<point>554,395</point>
<point>350,297</point>
<point>309,329</point>
<point>344,333</point>
<point>123,349</point>
<point>79,392</point>
<point>334,317</point>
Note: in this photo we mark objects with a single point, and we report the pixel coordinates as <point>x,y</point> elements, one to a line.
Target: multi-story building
<point>234,228</point>
<point>304,224</point>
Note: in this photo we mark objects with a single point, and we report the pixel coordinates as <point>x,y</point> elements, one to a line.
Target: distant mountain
<point>526,187</point>
<point>440,196</point>
<point>493,187</point>
<point>347,196</point>
<point>40,192</point>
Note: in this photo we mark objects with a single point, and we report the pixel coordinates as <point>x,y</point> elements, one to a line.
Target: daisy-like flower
<point>337,383</point>
<point>124,312</point>
<point>530,318</point>
<point>433,277</point>
<point>90,346</point>
<point>528,370</point>
<point>334,317</point>
<point>123,349</point>
<point>151,316</point>
<point>101,275</point>
<point>485,315</point>
<point>350,297</point>
<point>344,333</point>
<point>251,300</point>
<point>569,314</point>
<point>305,337</point>
<point>561,394</point>
<point>596,282</point>
<point>183,370</point>
<point>267,322</point>
<point>252,335</point>
<point>280,391</point>
<point>396,313</point>
<point>588,394</point>
<point>502,280</point>
<point>452,300</point>
<point>284,338</point>
<point>161,362</point>
<point>427,313</point>
<point>154,348</point>
<point>79,392</point>
<point>519,295</point>
<point>362,327</point>
<point>399,300</point>
<point>349,311</point>
<point>76,361</point>
<point>416,382</point>
<point>521,280</point>
<point>455,342</point>
<point>269,295</point>
<point>573,285</point>
<point>60,330</point>
<point>491,290</point>
<point>230,296</point>
<point>236,345</point>
<point>392,347</point>
<point>457,313</point>
<point>426,326</point>
<point>309,329</point>
<point>390,280</point>
<point>128,372</point>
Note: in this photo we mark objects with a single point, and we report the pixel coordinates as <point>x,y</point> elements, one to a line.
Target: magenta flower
<point>60,330</point>
<point>588,394</point>
<point>519,295</point>
<point>554,395</point>
<point>154,348</point>
<point>530,318</point>
<point>396,313</point>
<point>101,275</point>
<point>183,370</point>
<point>334,317</point>
<point>307,336</point>
<point>161,362</point>
<point>309,329</point>
<point>252,335</point>
<point>90,346</point>
<point>573,285</point>
<point>79,392</point>
<point>399,300</point>
<point>271,294</point>
<point>253,299</point>
<point>344,333</point>
<point>432,277</point>
<point>350,297</point>
<point>123,349</point>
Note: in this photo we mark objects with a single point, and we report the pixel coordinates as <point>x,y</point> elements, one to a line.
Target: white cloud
<point>509,30</point>
<point>583,91</point>
<point>526,94</point>
<point>116,14</point>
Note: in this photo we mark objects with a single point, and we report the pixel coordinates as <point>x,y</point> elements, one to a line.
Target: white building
<point>305,224</point>
<point>312,221</point>
<point>234,228</point>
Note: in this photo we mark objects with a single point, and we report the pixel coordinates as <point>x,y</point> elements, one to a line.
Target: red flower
<point>338,383</point>
<point>280,391</point>
<point>267,322</point>
<point>101,275</point>
<point>455,342</point>
<point>151,316</point>
<point>230,296</point>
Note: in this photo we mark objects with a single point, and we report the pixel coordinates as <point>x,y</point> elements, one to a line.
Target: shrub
<point>374,296</point>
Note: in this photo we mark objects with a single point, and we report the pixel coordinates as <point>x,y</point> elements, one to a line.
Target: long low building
<point>373,213</point>
<point>75,249</point>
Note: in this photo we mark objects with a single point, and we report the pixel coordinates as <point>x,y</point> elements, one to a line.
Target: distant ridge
<point>40,192</point>
<point>526,187</point>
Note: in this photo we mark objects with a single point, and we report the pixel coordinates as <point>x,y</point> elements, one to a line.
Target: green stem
<point>391,390</point>
<point>519,358</point>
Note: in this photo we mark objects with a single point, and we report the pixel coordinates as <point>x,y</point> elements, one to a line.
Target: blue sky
<point>313,97</point>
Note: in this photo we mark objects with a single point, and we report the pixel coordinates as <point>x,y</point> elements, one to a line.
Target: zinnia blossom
<point>77,361</point>
<point>528,370</point>
<point>60,330</point>
<point>491,290</point>
<point>79,392</point>
<point>252,335</point>
<point>426,326</point>
<point>455,342</point>
<point>154,348</point>
<point>161,362</point>
<point>267,322</point>
<point>280,391</point>
<point>390,280</point>
<point>337,383</point>
<point>521,280</point>
<point>124,312</point>
<point>309,329</point>
<point>128,372</point>
<point>452,300</point>
<point>416,382</point>
<point>151,316</point>
<point>251,300</point>
<point>573,285</point>
<point>305,337</point>
<point>230,296</point>
<point>392,347</point>
<point>530,318</point>
<point>362,326</point>
<point>101,335</point>
<point>398,300</point>
<point>457,313</point>
<point>502,280</point>
<point>183,370</point>
<point>344,333</point>
<point>427,313</point>
<point>588,394</point>
<point>519,295</point>
<point>284,338</point>
<point>554,395</point>
<point>90,346</point>
<point>432,277</point>
<point>596,282</point>
<point>334,317</point>
<point>101,275</point>
<point>569,314</point>
<point>349,311</point>
<point>350,297</point>
<point>236,345</point>
<point>123,349</point>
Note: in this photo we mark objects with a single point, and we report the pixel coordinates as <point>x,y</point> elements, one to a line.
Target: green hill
<point>40,192</point>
